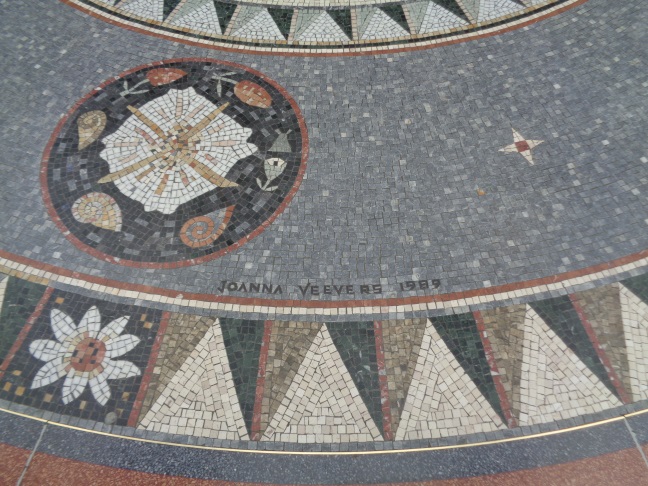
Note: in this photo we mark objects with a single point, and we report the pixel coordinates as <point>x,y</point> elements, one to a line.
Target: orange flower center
<point>88,355</point>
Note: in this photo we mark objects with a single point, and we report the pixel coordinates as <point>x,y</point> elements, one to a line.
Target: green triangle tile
<point>460,334</point>
<point>169,5</point>
<point>417,12</point>
<point>283,19</point>
<point>183,334</point>
<point>342,17</point>
<point>356,344</point>
<point>397,14</point>
<point>225,12</point>
<point>401,344</point>
<point>242,340</point>
<point>20,299</point>
<point>638,286</point>
<point>363,16</point>
<point>562,318</point>
<point>453,7</point>
<point>472,6</point>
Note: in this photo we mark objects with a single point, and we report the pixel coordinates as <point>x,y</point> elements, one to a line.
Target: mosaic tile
<point>442,400</point>
<point>183,334</point>
<point>402,343</point>
<point>267,25</point>
<point>82,357</point>
<point>559,314</point>
<point>322,404</point>
<point>242,340</point>
<point>356,344</point>
<point>289,343</point>
<point>602,309</point>
<point>462,338</point>
<point>634,312</point>
<point>556,384</point>
<point>18,299</point>
<point>201,398</point>
<point>176,163</point>
<point>505,332</point>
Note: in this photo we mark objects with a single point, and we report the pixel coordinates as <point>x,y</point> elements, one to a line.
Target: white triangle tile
<point>442,400</point>
<point>201,398</point>
<point>382,26</point>
<point>322,404</point>
<point>4,280</point>
<point>492,9</point>
<point>438,18</point>
<point>322,29</point>
<point>148,9</point>
<point>260,26</point>
<point>634,314</point>
<point>199,15</point>
<point>555,384</point>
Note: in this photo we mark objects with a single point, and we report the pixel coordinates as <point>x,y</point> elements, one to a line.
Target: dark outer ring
<point>343,51</point>
<point>183,263</point>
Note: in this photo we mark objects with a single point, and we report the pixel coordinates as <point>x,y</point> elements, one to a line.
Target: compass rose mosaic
<point>322,26</point>
<point>174,163</point>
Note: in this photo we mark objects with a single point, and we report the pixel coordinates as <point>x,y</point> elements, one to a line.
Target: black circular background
<point>153,237</point>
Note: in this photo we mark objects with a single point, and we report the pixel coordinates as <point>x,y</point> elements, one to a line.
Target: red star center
<point>522,146</point>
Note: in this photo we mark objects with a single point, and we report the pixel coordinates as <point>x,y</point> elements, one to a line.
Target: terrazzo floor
<point>323,242</point>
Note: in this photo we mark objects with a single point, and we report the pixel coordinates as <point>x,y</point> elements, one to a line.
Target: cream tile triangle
<point>555,383</point>
<point>442,400</point>
<point>148,9</point>
<point>198,15</point>
<point>322,404</point>
<point>201,399</point>
<point>634,314</point>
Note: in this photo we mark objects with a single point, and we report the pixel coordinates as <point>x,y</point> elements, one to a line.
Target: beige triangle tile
<point>635,324</point>
<point>401,343</point>
<point>442,400</point>
<point>505,332</point>
<point>602,309</point>
<point>200,400</point>
<point>556,384</point>
<point>183,334</point>
<point>289,343</point>
<point>322,404</point>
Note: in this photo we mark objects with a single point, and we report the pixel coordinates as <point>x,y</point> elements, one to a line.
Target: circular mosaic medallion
<point>322,26</point>
<point>174,163</point>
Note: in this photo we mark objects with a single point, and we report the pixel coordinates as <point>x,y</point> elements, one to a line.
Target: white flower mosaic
<point>174,149</point>
<point>84,354</point>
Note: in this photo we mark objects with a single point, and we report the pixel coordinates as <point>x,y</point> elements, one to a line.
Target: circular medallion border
<point>174,163</point>
<point>349,29</point>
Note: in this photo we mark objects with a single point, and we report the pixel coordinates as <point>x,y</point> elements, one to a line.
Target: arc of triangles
<point>430,17</point>
<point>201,399</point>
<point>555,383</point>
<point>322,403</point>
<point>256,23</point>
<point>197,15</point>
<point>148,9</point>
<point>442,400</point>
<point>634,314</point>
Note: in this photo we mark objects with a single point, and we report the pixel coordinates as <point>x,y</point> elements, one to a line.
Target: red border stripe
<point>614,378</point>
<point>396,301</point>
<point>25,330</point>
<point>492,363</point>
<point>382,381</point>
<point>148,374</point>
<point>255,429</point>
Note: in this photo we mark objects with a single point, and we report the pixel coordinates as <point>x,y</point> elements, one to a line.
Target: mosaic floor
<point>339,242</point>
